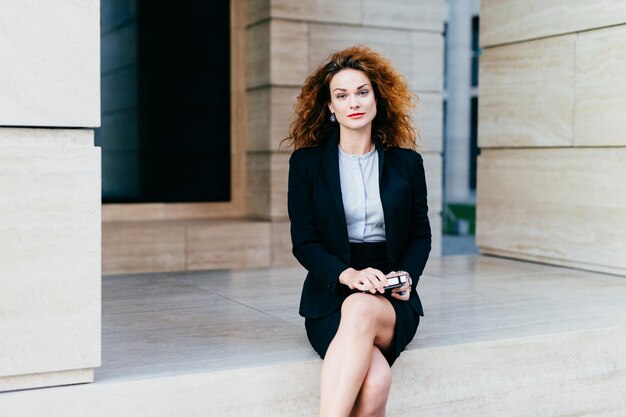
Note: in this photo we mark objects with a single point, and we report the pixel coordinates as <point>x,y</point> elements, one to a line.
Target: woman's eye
<point>363,92</point>
<point>341,96</point>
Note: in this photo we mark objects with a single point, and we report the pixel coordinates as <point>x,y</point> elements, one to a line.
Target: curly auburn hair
<point>394,101</point>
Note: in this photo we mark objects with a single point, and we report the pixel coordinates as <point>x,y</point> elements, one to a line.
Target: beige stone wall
<point>553,133</point>
<point>287,40</point>
<point>50,193</point>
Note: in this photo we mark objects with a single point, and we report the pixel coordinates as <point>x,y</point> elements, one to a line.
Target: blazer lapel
<point>385,197</point>
<point>381,156</point>
<point>331,169</point>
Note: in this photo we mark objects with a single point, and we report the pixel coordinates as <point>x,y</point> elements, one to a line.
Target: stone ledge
<point>183,245</point>
<point>46,379</point>
<point>551,375</point>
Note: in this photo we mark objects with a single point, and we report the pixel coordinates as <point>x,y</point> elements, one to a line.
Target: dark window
<point>165,132</point>
<point>445,56</point>
<point>475,50</point>
<point>474,151</point>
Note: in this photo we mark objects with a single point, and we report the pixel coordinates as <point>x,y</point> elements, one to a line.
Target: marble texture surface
<point>270,113</point>
<point>527,94</point>
<point>428,117</point>
<point>507,21</point>
<point>500,337</point>
<point>434,182</point>
<point>424,15</point>
<point>554,205</point>
<point>600,88</point>
<point>50,72</point>
<point>175,323</point>
<point>134,247</point>
<point>50,257</point>
<point>560,375</point>
<point>266,190</point>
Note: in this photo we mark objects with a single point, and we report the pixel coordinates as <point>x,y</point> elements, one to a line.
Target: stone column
<point>458,79</point>
<point>49,193</point>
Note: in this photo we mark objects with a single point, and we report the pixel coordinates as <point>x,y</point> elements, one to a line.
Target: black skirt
<point>321,331</point>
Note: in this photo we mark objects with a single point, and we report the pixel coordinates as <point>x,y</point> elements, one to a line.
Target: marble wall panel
<point>427,56</point>
<point>267,184</point>
<point>281,244</point>
<point>600,88</point>
<point>561,206</point>
<point>346,11</point>
<point>258,184</point>
<point>436,231</point>
<point>428,117</point>
<point>527,94</point>
<point>270,111</point>
<point>289,52</point>
<point>426,15</point>
<point>328,38</point>
<point>433,169</point>
<point>277,53</point>
<point>50,257</point>
<point>408,14</point>
<point>52,75</point>
<point>258,56</point>
<point>279,174</point>
<point>282,114</point>
<point>256,10</point>
<point>259,115</point>
<point>505,21</point>
<point>236,244</point>
<point>130,247</point>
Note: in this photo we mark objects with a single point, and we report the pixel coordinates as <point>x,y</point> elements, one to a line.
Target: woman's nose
<point>354,102</point>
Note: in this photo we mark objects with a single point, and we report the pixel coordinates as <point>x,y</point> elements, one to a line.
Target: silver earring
<point>333,119</point>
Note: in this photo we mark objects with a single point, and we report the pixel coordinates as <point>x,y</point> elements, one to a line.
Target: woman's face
<point>352,99</point>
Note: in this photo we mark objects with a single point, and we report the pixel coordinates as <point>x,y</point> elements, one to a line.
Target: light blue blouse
<point>361,196</point>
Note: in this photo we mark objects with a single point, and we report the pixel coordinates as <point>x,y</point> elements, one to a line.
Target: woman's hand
<point>404,292</point>
<point>368,279</point>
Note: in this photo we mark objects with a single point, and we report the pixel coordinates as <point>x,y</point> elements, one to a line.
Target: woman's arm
<point>416,253</point>
<point>305,235</point>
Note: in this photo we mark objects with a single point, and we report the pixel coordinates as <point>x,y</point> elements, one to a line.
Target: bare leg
<point>366,321</point>
<point>372,399</point>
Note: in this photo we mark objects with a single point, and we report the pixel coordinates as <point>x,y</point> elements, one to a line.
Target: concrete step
<point>580,373</point>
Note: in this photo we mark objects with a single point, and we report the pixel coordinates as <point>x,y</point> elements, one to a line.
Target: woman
<point>357,205</point>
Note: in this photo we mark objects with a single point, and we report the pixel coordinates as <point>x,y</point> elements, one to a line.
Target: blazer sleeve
<point>308,247</point>
<point>414,258</point>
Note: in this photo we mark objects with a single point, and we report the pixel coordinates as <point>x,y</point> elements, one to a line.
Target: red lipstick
<point>356,115</point>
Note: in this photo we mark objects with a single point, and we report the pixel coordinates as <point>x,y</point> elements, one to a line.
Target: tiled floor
<point>458,245</point>
<point>175,323</point>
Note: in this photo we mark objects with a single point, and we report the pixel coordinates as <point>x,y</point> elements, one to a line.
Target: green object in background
<point>459,219</point>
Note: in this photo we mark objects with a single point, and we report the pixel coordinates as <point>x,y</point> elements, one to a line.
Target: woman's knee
<point>361,305</point>
<point>374,392</point>
<point>377,382</point>
<point>367,311</point>
<point>360,312</point>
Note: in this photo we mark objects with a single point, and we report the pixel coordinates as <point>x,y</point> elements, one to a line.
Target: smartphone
<point>396,280</point>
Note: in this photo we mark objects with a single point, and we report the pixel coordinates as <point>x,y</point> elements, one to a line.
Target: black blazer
<point>319,233</point>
